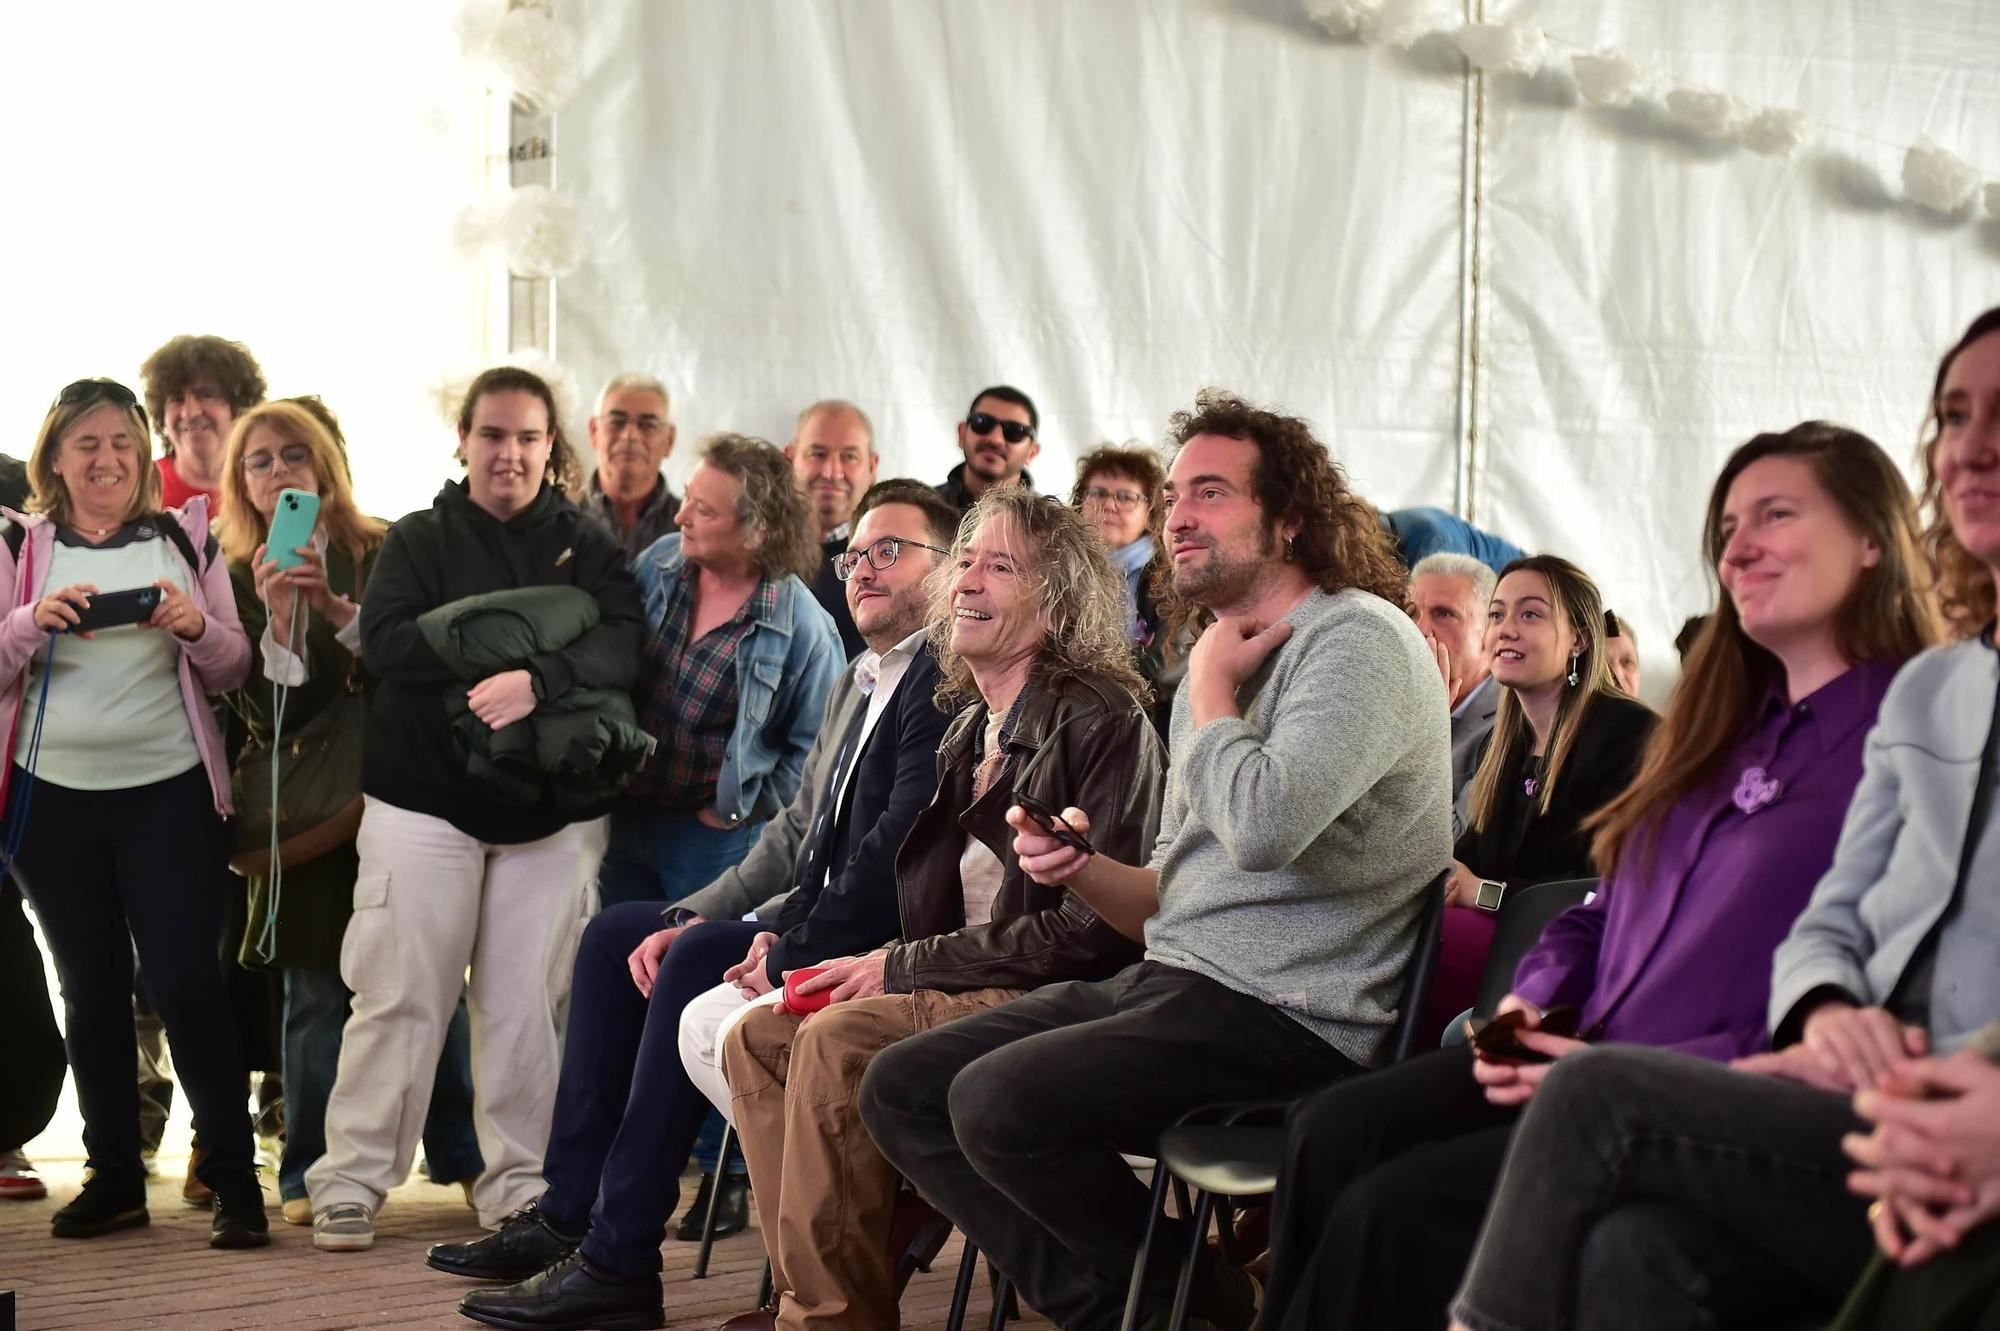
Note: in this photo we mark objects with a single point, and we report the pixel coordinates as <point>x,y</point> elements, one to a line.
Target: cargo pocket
<point>368,951</point>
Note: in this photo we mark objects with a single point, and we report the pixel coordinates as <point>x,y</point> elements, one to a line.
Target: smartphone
<point>1052,824</point>
<point>109,610</point>
<point>1497,1038</point>
<point>292,526</point>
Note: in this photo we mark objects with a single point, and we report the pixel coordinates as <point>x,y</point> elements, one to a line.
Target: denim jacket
<point>783,675</point>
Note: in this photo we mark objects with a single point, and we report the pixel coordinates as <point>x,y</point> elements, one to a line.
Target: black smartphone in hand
<point>110,610</point>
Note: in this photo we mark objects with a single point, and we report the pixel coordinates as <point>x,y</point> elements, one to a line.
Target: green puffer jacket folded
<point>580,746</point>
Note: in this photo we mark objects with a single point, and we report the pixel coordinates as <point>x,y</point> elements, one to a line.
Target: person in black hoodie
<point>451,877</point>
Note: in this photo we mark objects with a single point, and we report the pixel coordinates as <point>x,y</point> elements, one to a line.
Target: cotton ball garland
<point>1608,78</point>
<point>1937,178</point>
<point>1342,18</point>
<point>1707,111</point>
<point>1775,131</point>
<point>1404,23</point>
<point>1515,48</point>
<point>535,56</point>
<point>1993,200</point>
<point>540,232</point>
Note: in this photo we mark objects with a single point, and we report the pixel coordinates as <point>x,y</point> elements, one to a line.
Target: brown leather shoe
<point>193,1191</point>
<point>761,1320</point>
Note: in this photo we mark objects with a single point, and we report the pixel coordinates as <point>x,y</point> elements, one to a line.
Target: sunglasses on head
<point>1013,432</point>
<point>93,390</point>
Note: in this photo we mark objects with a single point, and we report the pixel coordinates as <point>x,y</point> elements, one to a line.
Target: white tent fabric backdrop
<point>1112,203</point>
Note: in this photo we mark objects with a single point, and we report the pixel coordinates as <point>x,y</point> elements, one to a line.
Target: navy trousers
<point>626,1114</point>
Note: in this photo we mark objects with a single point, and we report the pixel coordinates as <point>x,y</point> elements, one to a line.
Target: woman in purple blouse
<point>1707,857</point>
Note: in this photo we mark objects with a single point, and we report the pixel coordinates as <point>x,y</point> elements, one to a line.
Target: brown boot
<point>193,1191</point>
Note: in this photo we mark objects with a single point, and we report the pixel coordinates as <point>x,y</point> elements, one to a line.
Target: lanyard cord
<point>17,821</point>
<point>266,946</point>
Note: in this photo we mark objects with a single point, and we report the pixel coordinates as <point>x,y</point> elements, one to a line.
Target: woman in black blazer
<point>1566,741</point>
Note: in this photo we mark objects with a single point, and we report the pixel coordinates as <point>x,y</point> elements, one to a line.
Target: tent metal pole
<point>1471,184</point>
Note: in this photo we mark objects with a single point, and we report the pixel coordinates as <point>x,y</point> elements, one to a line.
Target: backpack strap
<point>182,542</point>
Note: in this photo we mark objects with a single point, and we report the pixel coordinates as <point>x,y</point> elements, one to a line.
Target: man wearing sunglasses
<point>999,439</point>
<point>1308,809</point>
<point>646,1005</point>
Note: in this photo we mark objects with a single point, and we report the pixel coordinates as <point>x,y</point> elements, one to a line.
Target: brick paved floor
<point>164,1276</point>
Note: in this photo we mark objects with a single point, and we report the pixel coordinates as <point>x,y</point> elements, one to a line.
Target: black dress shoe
<point>104,1206</point>
<point>572,1295</point>
<point>524,1244</point>
<point>732,1213</point>
<point>239,1221</point>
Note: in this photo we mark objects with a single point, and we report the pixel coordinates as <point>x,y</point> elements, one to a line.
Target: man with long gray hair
<point>1028,623</point>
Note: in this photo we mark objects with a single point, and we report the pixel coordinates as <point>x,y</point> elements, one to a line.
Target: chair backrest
<point>1524,913</point>
<point>1417,979</point>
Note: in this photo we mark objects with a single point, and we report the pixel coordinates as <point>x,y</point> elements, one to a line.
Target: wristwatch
<point>1489,894</point>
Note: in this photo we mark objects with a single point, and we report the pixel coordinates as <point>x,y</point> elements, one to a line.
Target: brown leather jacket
<point>1081,741</point>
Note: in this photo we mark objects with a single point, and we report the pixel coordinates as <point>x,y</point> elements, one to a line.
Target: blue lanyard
<point>17,819</point>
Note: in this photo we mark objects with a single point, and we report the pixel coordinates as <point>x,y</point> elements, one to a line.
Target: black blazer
<point>1611,739</point>
<point>854,908</point>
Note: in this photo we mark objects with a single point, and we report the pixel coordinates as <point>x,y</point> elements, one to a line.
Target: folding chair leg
<point>764,1286</point>
<point>1203,1206</point>
<point>714,1201</point>
<point>1138,1286</point>
<point>1003,1292</point>
<point>961,1290</point>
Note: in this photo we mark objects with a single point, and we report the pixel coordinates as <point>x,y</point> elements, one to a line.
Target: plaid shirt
<point>687,699</point>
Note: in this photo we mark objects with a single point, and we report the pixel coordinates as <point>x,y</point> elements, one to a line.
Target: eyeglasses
<point>880,555</point>
<point>294,456</point>
<point>93,390</point>
<point>1099,494</point>
<point>1013,432</point>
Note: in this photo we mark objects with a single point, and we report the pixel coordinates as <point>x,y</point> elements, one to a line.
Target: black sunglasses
<point>1053,823</point>
<point>93,390</point>
<point>1013,432</point>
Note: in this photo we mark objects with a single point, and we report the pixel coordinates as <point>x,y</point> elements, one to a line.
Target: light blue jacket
<point>1898,855</point>
<point>783,675</point>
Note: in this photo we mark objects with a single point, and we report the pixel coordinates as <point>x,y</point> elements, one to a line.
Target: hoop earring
<point>1572,666</point>
<point>1288,549</point>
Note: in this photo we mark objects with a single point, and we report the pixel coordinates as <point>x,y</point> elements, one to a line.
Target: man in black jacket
<point>613,1178</point>
<point>999,436</point>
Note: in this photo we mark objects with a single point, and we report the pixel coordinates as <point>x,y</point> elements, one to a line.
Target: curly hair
<point>303,420</point>
<point>773,512</point>
<point>564,472</point>
<point>1142,465</point>
<point>1341,542</point>
<point>1062,560</point>
<point>191,358</point>
<point>1965,585</point>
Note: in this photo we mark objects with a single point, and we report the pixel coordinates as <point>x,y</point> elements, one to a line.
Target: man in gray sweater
<point>1308,807</point>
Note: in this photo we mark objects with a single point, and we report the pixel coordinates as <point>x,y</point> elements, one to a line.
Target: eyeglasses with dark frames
<point>880,555</point>
<point>294,456</point>
<point>980,422</point>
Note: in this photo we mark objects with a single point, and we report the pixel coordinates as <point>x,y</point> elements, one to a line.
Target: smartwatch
<point>1489,894</point>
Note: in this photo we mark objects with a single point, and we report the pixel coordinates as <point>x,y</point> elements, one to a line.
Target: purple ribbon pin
<point>1756,788</point>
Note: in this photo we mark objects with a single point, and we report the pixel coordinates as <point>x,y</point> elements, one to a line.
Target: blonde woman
<point>295,444</point>
<point>115,753</point>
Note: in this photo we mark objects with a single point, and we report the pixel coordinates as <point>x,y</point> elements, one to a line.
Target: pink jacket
<point>216,662</point>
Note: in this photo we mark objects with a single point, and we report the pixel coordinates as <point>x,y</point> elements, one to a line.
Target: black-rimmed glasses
<point>880,555</point>
<point>294,456</point>
<point>980,422</point>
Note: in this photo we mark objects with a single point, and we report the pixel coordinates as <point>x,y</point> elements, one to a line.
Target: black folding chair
<point>1524,913</point>
<point>1216,1152</point>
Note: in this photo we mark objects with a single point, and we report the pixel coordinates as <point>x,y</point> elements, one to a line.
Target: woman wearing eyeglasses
<point>1118,491</point>
<point>115,753</point>
<point>738,662</point>
<point>304,625</point>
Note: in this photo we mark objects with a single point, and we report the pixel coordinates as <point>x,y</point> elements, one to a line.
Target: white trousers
<point>429,903</point>
<point>706,1019</point>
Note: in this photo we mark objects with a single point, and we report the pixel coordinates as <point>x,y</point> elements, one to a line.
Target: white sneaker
<point>18,1180</point>
<point>344,1227</point>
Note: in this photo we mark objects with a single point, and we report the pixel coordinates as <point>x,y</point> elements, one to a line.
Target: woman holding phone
<point>303,622</point>
<point>115,752</point>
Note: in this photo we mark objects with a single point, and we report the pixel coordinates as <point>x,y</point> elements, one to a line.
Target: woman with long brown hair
<point>1707,858</point>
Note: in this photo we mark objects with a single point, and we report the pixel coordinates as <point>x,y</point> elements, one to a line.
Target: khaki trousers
<point>430,902</point>
<point>825,1196</point>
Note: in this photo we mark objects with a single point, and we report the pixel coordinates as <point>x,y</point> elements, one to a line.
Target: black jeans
<point>33,1046</point>
<point>1011,1121</point>
<point>110,869</point>
<point>626,1114</point>
<point>1652,1190</point>
<point>1386,1178</point>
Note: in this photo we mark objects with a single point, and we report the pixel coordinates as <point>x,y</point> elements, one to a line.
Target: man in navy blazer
<point>824,870</point>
